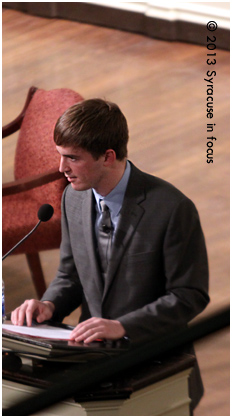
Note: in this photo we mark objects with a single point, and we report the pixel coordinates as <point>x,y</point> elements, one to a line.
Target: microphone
<point>107,229</point>
<point>45,213</point>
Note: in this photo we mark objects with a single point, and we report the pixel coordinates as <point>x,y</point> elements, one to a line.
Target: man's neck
<point>113,177</point>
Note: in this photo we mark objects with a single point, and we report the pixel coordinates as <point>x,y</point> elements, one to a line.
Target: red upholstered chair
<point>37,178</point>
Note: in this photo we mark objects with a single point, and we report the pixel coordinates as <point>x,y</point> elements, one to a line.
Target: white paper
<point>42,331</point>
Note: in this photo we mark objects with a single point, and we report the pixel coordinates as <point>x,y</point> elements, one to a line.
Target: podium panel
<point>169,397</point>
<point>155,388</point>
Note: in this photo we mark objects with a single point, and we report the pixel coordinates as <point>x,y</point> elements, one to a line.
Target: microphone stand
<point>22,240</point>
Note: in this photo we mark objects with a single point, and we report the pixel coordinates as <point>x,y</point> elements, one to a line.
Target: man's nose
<point>63,165</point>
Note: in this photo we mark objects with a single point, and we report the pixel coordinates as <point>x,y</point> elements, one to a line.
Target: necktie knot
<point>104,207</point>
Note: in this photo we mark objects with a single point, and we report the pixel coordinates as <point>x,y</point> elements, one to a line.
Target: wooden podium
<point>155,388</point>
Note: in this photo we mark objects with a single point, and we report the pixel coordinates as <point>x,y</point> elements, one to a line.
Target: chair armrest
<point>14,126</point>
<point>24,184</point>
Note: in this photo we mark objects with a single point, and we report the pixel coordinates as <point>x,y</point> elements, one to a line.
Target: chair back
<point>36,151</point>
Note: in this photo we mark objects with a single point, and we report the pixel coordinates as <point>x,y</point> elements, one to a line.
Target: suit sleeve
<point>65,291</point>
<point>186,278</point>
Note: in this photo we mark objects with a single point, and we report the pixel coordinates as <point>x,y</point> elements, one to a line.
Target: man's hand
<point>97,328</point>
<point>32,309</point>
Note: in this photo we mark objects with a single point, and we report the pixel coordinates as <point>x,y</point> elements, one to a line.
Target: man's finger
<point>21,315</point>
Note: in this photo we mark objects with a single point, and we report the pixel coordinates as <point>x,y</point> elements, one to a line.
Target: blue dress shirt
<point>113,200</point>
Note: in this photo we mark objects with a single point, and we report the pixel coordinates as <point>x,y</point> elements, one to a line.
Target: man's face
<point>80,168</point>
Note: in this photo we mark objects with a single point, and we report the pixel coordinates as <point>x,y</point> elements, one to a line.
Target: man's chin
<point>79,187</point>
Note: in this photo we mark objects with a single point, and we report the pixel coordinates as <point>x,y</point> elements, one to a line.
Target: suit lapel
<point>130,216</point>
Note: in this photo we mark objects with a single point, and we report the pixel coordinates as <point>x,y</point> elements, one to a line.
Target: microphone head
<point>45,212</point>
<point>107,229</point>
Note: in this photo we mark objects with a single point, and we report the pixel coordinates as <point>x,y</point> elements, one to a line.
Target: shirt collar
<point>115,198</point>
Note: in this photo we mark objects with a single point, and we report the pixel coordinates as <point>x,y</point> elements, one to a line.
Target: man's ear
<point>110,157</point>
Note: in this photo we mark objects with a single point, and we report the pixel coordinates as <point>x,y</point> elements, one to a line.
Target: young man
<point>155,276</point>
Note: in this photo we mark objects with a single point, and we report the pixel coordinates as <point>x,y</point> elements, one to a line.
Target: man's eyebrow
<point>68,155</point>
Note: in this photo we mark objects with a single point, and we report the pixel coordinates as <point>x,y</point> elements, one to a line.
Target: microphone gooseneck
<point>45,213</point>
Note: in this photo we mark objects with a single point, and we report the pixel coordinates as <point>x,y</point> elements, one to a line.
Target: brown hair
<point>94,125</point>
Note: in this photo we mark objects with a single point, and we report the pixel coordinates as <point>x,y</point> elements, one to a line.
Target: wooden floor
<point>161,89</point>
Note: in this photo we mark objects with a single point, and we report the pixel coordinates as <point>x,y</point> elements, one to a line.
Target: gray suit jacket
<point>157,280</point>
